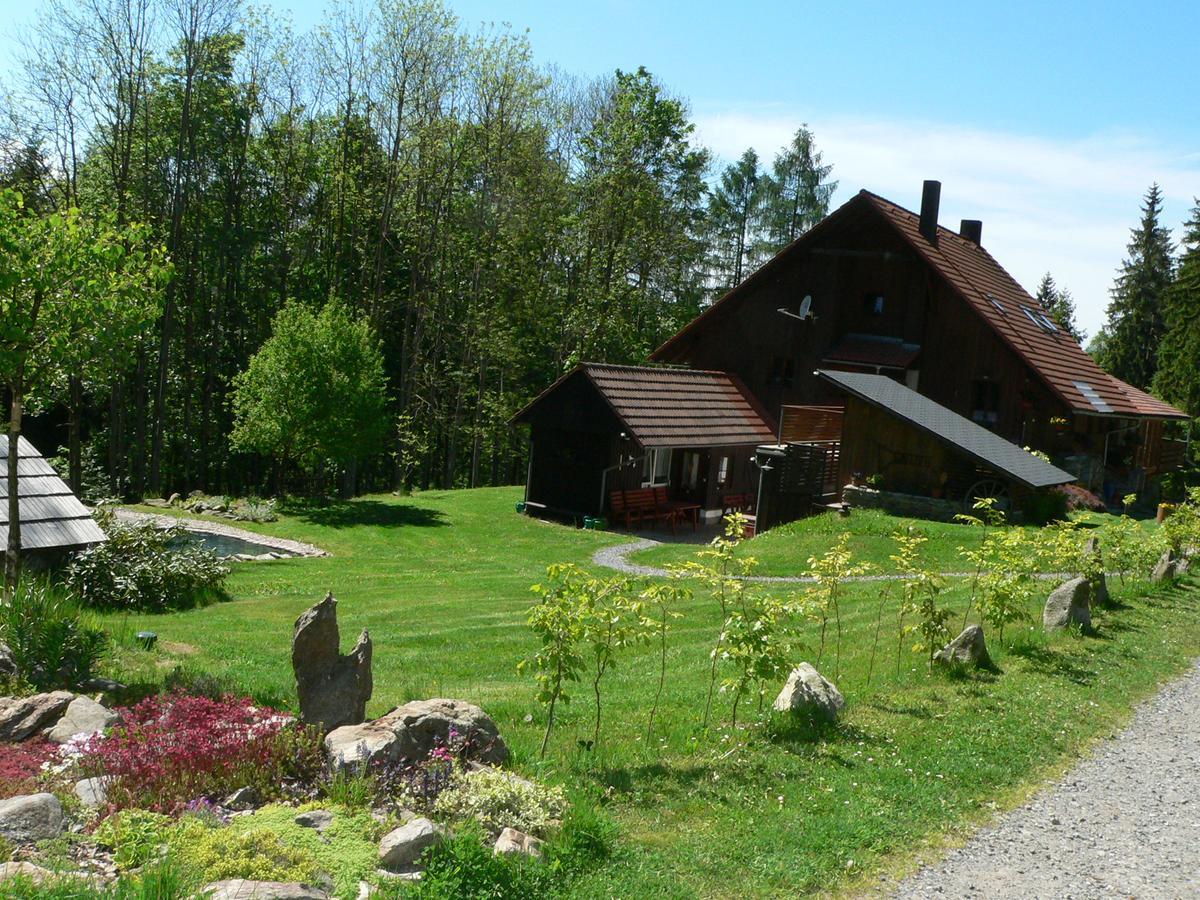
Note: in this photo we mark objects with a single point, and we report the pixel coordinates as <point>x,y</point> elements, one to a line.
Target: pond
<point>226,546</point>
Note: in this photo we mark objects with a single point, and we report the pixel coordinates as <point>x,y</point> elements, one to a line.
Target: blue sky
<point>1046,120</point>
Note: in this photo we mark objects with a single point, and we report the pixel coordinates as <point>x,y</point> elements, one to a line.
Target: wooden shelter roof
<point>947,426</point>
<point>51,515</point>
<point>667,407</point>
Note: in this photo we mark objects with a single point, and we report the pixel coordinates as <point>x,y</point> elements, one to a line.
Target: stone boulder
<point>354,746</point>
<point>402,848</point>
<point>423,725</point>
<point>84,717</point>
<point>8,665</point>
<point>316,819</point>
<point>1069,604</point>
<point>36,817</point>
<point>92,792</point>
<point>334,689</point>
<point>27,716</point>
<point>512,841</point>
<point>968,649</point>
<point>808,692</point>
<point>1169,567</point>
<point>27,870</point>
<point>242,889</point>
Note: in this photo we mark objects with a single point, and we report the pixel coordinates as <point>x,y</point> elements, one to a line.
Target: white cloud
<point>1063,205</point>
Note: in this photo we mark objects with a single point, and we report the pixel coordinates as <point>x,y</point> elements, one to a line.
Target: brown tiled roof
<point>1022,323</point>
<point>869,350</point>
<point>662,407</point>
<point>51,516</point>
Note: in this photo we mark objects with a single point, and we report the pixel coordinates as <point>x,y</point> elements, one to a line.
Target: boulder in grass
<point>352,747</point>
<point>243,889</point>
<point>1069,604</point>
<point>333,688</point>
<point>402,848</point>
<point>25,717</point>
<point>512,841</point>
<point>36,817</point>
<point>27,870</point>
<point>1169,567</point>
<point>968,649</point>
<point>808,692</point>
<point>83,718</point>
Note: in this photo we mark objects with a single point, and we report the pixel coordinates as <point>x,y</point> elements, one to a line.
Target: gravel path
<point>292,548</point>
<point>1124,823</point>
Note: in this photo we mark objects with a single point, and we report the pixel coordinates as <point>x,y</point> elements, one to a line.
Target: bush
<point>497,800</point>
<point>1044,506</point>
<point>464,867</point>
<point>52,645</point>
<point>144,568</point>
<point>20,766</point>
<point>170,750</point>
<point>255,853</point>
<point>135,836</point>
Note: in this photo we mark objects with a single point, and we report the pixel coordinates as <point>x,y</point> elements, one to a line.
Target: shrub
<point>136,836</point>
<point>1044,506</point>
<point>497,800</point>
<point>144,568</point>
<point>52,644</point>
<point>464,867</point>
<point>170,750</point>
<point>20,765</point>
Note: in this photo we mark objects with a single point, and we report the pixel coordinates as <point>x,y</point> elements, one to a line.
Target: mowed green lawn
<point>442,582</point>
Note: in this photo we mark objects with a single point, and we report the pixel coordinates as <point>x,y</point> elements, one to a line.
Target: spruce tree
<point>1059,303</point>
<point>1135,323</point>
<point>733,216</point>
<point>1178,376</point>
<point>796,194</point>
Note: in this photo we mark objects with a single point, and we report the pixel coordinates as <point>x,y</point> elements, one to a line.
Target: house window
<point>783,370</point>
<point>873,304</point>
<point>690,470</point>
<point>985,402</point>
<point>723,471</point>
<point>656,470</point>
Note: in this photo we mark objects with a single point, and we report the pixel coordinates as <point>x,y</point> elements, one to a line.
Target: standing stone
<point>401,848</point>
<point>1166,569</point>
<point>968,649</point>
<point>334,689</point>
<point>27,716</point>
<point>84,717</point>
<point>1069,604</point>
<point>36,817</point>
<point>807,691</point>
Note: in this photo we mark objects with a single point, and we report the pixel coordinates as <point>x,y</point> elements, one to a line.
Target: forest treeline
<point>493,221</point>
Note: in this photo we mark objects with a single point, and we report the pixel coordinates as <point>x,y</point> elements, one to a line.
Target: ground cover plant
<point>442,581</point>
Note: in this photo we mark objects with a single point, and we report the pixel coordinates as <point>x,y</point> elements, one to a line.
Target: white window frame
<point>723,471</point>
<point>656,470</point>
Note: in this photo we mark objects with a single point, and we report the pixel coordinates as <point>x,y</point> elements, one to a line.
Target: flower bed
<point>20,765</point>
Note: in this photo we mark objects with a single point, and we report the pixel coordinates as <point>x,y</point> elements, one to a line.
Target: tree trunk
<point>12,555</point>
<point>74,454</point>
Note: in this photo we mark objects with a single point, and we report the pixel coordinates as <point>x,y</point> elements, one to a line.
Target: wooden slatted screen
<point>810,424</point>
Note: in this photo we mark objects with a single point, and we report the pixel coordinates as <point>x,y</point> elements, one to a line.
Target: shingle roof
<point>870,350</point>
<point>51,516</point>
<point>662,407</point>
<point>1022,323</point>
<point>949,427</point>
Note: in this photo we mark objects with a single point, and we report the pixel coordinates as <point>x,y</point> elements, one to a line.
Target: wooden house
<point>874,289</point>
<point>53,521</point>
<point>603,428</point>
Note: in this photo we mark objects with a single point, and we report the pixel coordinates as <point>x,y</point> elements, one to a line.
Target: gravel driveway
<point>1124,823</point>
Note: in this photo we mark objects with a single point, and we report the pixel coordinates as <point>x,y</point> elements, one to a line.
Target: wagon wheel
<point>986,487</point>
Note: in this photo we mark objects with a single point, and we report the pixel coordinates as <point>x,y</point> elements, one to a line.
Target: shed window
<point>723,471</point>
<point>985,402</point>
<point>656,470</point>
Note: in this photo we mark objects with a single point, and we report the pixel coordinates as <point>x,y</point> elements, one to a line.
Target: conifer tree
<point>1059,303</point>
<point>1178,376</point>
<point>733,215</point>
<point>796,194</point>
<point>1135,325</point>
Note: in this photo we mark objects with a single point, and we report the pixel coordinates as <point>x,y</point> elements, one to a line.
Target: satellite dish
<point>806,306</point>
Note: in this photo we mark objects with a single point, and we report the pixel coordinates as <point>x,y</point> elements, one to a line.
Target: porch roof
<point>51,516</point>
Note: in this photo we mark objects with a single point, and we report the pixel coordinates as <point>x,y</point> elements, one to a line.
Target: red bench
<point>731,503</point>
<point>637,506</point>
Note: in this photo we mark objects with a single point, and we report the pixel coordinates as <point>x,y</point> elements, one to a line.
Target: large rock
<point>37,817</point>
<point>968,649</point>
<point>334,689</point>
<point>84,717</point>
<point>808,692</point>
<point>242,889</point>
<point>402,848</point>
<point>423,725</point>
<point>1169,567</point>
<point>8,665</point>
<point>355,746</point>
<point>92,792</point>
<point>27,870</point>
<point>1069,604</point>
<point>512,841</point>
<point>27,716</point>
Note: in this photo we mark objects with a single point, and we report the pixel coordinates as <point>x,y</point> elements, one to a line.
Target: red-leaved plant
<point>20,765</point>
<point>168,751</point>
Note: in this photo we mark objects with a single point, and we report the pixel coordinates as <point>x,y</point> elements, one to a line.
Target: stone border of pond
<point>267,541</point>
